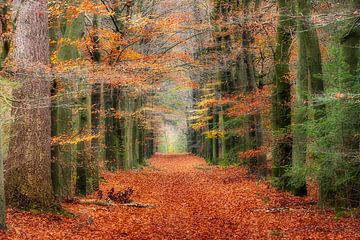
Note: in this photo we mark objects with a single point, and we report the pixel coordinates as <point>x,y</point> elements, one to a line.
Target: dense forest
<point>261,94</point>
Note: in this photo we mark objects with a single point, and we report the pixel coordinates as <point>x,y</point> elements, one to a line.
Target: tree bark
<point>3,55</point>
<point>281,101</point>
<point>309,85</point>
<point>28,178</point>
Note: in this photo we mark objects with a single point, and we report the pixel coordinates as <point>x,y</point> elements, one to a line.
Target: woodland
<point>179,119</point>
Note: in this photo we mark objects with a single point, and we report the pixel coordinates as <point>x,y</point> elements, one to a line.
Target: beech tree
<point>4,20</point>
<point>28,176</point>
<point>281,102</point>
<point>309,86</point>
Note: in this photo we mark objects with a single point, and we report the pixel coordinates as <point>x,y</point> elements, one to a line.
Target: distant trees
<point>5,41</point>
<point>313,117</point>
<point>94,120</point>
<point>233,73</point>
<point>69,160</point>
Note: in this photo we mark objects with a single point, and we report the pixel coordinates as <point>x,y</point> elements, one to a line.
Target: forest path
<point>192,201</point>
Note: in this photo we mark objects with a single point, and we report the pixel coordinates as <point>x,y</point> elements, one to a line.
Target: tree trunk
<point>2,187</point>
<point>28,178</point>
<point>110,151</point>
<point>281,101</point>
<point>96,110</point>
<point>3,55</point>
<point>84,158</point>
<point>309,84</point>
<point>2,192</point>
<point>129,140</point>
<point>254,136</point>
<point>65,122</point>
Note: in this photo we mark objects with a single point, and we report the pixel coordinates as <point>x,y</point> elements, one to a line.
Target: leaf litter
<point>187,200</point>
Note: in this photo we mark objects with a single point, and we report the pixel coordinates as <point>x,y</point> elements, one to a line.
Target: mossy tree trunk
<point>309,84</point>
<point>4,21</point>
<point>2,192</point>
<point>55,35</point>
<point>73,167</point>
<point>110,148</point>
<point>281,101</point>
<point>85,165</point>
<point>97,120</point>
<point>118,128</point>
<point>130,137</point>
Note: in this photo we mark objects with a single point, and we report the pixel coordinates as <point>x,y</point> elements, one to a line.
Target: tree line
<point>70,105</point>
<point>279,93</point>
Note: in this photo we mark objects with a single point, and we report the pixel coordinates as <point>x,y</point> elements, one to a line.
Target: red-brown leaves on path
<point>192,201</point>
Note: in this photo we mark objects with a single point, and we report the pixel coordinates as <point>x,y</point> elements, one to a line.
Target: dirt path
<point>193,201</point>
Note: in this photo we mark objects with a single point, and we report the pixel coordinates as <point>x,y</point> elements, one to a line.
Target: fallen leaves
<point>193,201</point>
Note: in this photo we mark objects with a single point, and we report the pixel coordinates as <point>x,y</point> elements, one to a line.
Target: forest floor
<point>191,201</point>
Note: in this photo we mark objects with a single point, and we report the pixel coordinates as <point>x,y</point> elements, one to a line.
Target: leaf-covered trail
<point>192,201</point>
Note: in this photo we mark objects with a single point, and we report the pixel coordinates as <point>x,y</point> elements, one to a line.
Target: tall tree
<point>248,79</point>
<point>309,84</point>
<point>97,96</point>
<point>4,7</point>
<point>28,178</point>
<point>67,121</point>
<point>2,192</point>
<point>281,102</point>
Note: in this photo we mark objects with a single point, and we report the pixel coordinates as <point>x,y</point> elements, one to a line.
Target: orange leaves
<point>130,54</point>
<point>90,7</point>
<point>55,8</point>
<point>72,140</point>
<point>250,103</point>
<point>254,152</point>
<point>59,8</point>
<point>54,58</point>
<point>192,201</point>
<point>109,38</point>
<point>165,24</point>
<point>119,41</point>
